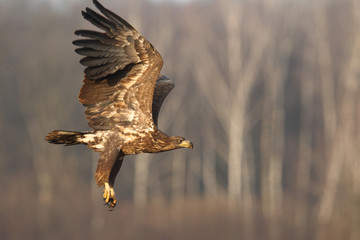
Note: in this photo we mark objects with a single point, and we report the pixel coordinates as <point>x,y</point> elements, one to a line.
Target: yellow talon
<point>109,196</point>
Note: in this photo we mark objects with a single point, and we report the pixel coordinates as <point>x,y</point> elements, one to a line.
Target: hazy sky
<point>61,5</point>
<point>62,2</point>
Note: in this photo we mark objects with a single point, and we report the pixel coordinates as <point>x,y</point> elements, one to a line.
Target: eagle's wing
<point>122,69</point>
<point>162,88</point>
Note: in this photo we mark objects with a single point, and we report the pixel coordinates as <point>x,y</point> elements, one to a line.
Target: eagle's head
<point>163,142</point>
<point>180,142</point>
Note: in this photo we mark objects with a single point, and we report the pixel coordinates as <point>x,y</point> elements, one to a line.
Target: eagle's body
<point>122,93</point>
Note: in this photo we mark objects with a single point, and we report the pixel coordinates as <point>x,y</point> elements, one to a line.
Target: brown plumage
<point>122,94</point>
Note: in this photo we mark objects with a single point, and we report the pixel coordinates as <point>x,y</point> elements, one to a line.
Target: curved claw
<point>109,196</point>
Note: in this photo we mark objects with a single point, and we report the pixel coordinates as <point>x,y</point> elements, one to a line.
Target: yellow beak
<point>186,144</point>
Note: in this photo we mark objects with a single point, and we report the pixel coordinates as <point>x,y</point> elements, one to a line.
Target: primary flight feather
<point>122,93</point>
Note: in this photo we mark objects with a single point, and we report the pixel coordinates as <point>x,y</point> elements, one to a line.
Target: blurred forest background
<point>267,90</point>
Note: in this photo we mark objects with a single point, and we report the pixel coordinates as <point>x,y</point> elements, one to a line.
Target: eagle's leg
<point>109,195</point>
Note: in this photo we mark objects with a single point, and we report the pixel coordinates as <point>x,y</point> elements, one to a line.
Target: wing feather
<point>102,37</point>
<point>121,71</point>
<point>95,53</point>
<point>114,17</point>
<point>98,45</point>
<point>163,87</point>
<point>98,20</point>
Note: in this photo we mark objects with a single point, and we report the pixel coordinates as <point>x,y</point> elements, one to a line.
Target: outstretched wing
<point>121,71</point>
<point>162,88</point>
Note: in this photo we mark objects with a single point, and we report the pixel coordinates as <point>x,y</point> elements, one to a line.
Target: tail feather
<point>65,137</point>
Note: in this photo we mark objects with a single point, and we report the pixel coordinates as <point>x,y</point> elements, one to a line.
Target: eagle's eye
<point>179,141</point>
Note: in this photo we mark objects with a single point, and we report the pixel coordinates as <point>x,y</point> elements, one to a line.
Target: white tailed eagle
<point>122,94</point>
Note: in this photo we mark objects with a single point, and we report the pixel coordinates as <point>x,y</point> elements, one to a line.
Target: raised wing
<point>162,88</point>
<point>121,71</point>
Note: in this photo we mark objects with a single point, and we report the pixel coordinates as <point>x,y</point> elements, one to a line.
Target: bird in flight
<point>122,93</point>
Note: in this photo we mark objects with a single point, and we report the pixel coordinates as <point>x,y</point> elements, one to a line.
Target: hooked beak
<point>186,144</point>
